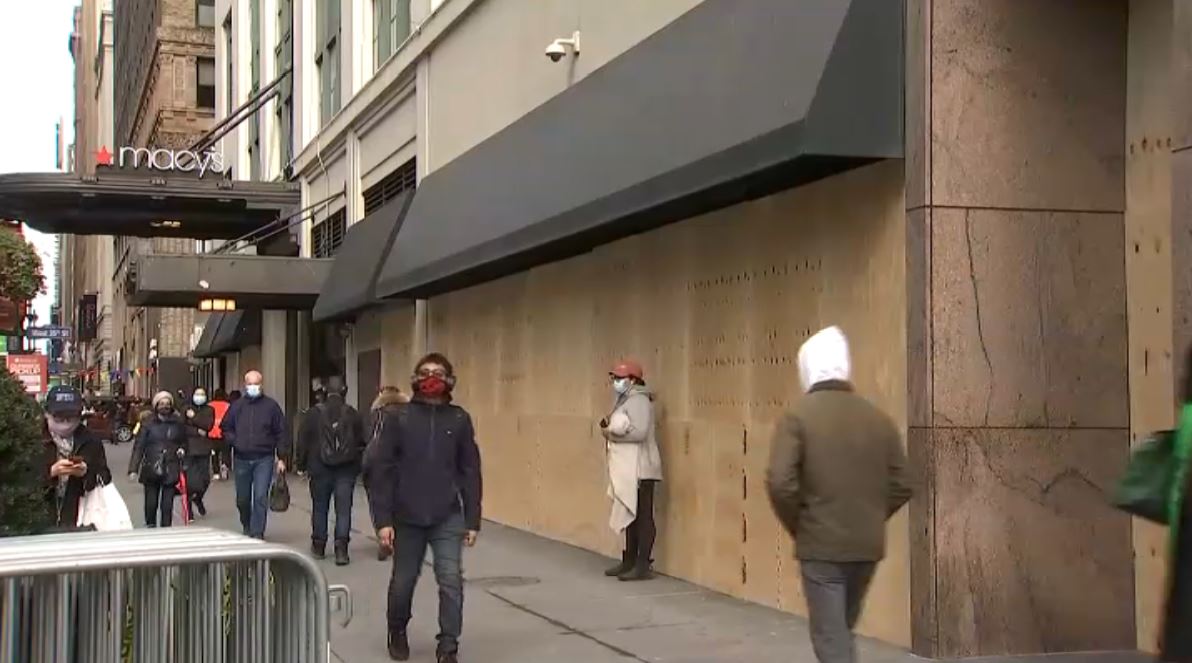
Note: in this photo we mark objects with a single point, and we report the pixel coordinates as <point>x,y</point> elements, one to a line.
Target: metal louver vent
<point>402,179</point>
<point>327,235</point>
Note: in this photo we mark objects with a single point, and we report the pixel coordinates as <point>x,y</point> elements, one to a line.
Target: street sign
<point>31,370</point>
<point>49,331</point>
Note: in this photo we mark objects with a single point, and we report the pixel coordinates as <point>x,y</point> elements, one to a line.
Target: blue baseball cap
<point>63,400</point>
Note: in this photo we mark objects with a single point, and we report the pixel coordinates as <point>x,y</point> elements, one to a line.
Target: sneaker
<point>399,646</point>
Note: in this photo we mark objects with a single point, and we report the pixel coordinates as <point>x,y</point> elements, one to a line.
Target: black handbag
<point>157,467</point>
<point>279,494</point>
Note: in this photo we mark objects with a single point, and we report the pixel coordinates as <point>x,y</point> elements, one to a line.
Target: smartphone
<point>77,460</point>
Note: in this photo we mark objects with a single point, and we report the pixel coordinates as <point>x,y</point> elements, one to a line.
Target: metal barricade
<point>163,595</point>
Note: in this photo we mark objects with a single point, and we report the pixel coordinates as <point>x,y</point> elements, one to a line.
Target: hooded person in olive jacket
<point>837,473</point>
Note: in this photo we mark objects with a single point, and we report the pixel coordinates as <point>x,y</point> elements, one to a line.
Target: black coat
<point>310,437</point>
<point>1177,614</point>
<point>199,421</point>
<point>425,467</point>
<point>159,439</point>
<point>64,513</point>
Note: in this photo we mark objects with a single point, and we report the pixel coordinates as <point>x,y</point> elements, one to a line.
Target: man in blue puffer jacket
<point>255,428</point>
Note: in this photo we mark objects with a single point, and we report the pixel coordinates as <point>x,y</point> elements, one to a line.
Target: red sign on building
<point>32,370</point>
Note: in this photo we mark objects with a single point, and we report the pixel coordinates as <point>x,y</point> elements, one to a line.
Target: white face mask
<point>622,385</point>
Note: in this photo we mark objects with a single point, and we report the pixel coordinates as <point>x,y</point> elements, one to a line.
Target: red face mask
<point>432,386</point>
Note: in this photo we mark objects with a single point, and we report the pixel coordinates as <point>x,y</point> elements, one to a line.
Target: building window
<point>327,59</point>
<point>229,56</point>
<point>205,88</point>
<point>405,178</point>
<point>284,52</point>
<point>391,27</point>
<point>205,13</point>
<point>328,234</point>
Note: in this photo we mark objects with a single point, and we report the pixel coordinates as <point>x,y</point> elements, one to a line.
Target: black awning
<point>353,279</point>
<point>202,349</point>
<point>266,282</point>
<point>732,101</point>
<point>237,330</point>
<point>136,204</point>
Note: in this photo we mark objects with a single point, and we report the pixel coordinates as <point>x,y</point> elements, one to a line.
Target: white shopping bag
<point>104,509</point>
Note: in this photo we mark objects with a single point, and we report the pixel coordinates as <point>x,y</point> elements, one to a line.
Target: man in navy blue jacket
<point>255,428</point>
<point>425,487</point>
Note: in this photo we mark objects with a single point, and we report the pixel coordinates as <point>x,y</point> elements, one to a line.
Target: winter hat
<point>824,357</point>
<point>162,396</point>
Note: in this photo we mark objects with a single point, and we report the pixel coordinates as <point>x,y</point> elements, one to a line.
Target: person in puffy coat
<point>157,457</point>
<point>386,403</point>
<point>199,419</point>
<point>634,469</point>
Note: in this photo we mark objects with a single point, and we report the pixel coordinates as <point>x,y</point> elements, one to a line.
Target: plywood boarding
<point>1148,225</point>
<point>716,308</point>
<point>397,346</point>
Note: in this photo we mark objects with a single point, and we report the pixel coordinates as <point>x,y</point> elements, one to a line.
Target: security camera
<point>558,48</point>
<point>555,51</point>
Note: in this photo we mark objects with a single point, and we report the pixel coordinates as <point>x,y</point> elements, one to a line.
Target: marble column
<point>1017,359</point>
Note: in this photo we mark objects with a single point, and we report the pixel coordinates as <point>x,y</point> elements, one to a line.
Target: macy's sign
<point>160,158</point>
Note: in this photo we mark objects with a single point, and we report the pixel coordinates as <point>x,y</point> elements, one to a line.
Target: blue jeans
<point>326,483</point>
<point>254,477</point>
<point>446,541</point>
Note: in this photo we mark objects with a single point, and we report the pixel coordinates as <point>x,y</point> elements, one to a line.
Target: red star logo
<point>103,157</point>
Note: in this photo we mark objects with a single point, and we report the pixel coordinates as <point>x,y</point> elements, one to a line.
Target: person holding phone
<point>75,461</point>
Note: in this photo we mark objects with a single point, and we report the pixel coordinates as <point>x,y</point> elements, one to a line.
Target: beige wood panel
<point>764,535</point>
<point>397,346</point>
<point>1148,225</point>
<point>716,308</point>
<point>571,478</point>
<point>679,507</point>
<point>722,446</point>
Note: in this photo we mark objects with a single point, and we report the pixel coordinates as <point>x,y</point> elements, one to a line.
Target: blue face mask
<point>252,391</point>
<point>198,399</point>
<point>622,385</point>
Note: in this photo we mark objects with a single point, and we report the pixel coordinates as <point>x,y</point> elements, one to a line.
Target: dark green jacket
<point>837,473</point>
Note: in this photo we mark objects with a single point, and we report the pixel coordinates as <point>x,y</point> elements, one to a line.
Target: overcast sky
<point>37,76</point>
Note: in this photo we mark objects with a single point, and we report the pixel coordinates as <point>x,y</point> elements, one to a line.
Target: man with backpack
<point>330,449</point>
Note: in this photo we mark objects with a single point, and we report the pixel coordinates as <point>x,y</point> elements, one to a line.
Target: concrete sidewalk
<point>529,599</point>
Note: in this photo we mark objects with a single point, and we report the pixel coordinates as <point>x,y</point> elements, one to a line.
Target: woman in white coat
<point>634,469</point>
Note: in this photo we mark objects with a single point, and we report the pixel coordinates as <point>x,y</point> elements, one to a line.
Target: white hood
<point>824,357</point>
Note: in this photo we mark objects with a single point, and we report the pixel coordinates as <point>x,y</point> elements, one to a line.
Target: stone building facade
<point>165,52</point>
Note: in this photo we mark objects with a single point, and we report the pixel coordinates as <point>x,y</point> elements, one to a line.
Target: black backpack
<point>337,443</point>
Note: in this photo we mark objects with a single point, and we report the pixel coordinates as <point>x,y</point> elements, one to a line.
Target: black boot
<point>341,553</point>
<point>448,657</point>
<point>399,646</point>
<point>625,565</point>
<point>640,570</point>
<point>318,548</point>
